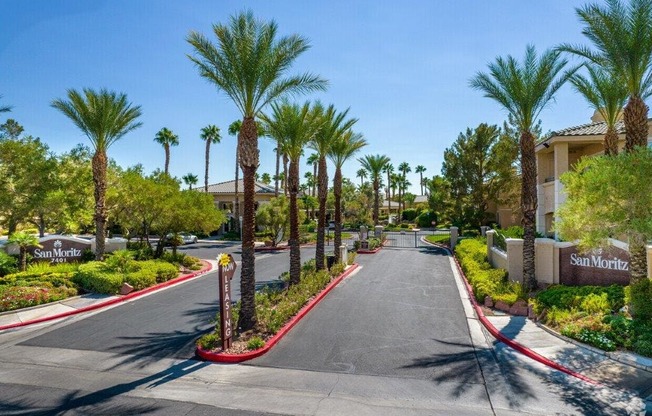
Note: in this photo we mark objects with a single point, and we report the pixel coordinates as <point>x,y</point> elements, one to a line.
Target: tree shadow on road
<point>102,401</point>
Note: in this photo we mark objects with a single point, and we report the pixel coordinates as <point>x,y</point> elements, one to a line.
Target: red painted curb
<point>238,358</point>
<point>133,295</point>
<point>507,341</point>
<point>277,248</point>
<point>374,251</point>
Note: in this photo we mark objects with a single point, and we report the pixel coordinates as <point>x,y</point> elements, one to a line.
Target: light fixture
<point>546,145</point>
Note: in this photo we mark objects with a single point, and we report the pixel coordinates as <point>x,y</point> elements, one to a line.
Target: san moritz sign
<point>597,267</point>
<point>60,249</point>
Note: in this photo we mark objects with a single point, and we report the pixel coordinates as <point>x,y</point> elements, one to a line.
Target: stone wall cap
<point>545,241</point>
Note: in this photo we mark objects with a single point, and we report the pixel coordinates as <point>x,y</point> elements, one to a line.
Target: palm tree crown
<point>190,180</point>
<point>420,169</point>
<point>5,109</point>
<point>166,138</point>
<point>362,174</point>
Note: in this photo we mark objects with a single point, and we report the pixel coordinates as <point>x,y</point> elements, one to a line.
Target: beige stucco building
<point>557,154</point>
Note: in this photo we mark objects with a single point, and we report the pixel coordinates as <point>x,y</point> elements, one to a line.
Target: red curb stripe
<point>238,358</point>
<point>505,340</point>
<point>133,295</point>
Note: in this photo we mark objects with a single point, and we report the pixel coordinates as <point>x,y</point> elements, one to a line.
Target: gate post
<point>454,231</point>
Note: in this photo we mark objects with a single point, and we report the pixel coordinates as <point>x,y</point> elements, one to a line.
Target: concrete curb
<point>207,267</point>
<point>238,358</point>
<point>507,341</point>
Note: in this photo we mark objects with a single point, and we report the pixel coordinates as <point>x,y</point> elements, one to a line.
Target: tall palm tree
<point>374,165</point>
<point>190,180</point>
<point>104,117</point>
<point>342,149</point>
<point>362,174</point>
<point>24,241</point>
<point>313,160</point>
<point>234,130</point>
<point>607,96</point>
<point>292,126</point>
<point>420,169</point>
<point>266,178</point>
<point>404,168</point>
<point>524,90</point>
<point>211,135</point>
<point>622,37</point>
<point>166,138</point>
<point>5,109</point>
<point>393,184</point>
<point>335,125</point>
<point>389,169</point>
<point>249,63</point>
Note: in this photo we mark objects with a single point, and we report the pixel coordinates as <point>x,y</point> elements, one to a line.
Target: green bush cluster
<point>592,314</point>
<point>182,260</point>
<point>8,264</point>
<point>485,280</point>
<point>426,218</point>
<point>409,214</point>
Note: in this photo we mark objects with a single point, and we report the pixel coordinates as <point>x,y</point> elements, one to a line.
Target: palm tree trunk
<point>208,151</point>
<point>529,208</point>
<point>322,192</point>
<point>376,200</point>
<point>248,153</point>
<point>400,200</point>
<point>389,197</point>
<point>99,165</point>
<point>295,252</point>
<point>337,191</point>
<point>167,159</point>
<point>421,181</point>
<point>637,259</point>
<point>314,179</point>
<point>236,203</point>
<point>278,166</point>
<point>361,181</point>
<point>611,142</point>
<point>635,117</point>
<point>285,175</point>
<point>23,258</point>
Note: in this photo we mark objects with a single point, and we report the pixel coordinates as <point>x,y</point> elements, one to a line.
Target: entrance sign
<point>600,267</point>
<point>225,269</point>
<point>59,249</point>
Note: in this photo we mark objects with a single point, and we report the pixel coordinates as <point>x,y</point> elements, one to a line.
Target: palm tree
<point>389,169</point>
<point>335,125</point>
<point>420,169</point>
<point>622,37</point>
<point>266,178</point>
<point>234,130</point>
<point>24,241</point>
<point>190,180</point>
<point>104,117</point>
<point>607,96</point>
<point>166,138</point>
<point>249,64</point>
<point>393,184</point>
<point>292,127</point>
<point>341,150</point>
<point>362,174</point>
<point>313,160</point>
<point>211,135</point>
<point>374,165</point>
<point>5,109</point>
<point>524,90</point>
<point>404,168</point>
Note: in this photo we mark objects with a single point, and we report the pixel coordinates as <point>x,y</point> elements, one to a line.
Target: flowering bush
<point>16,297</point>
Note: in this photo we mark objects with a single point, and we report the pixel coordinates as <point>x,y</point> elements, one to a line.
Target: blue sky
<point>402,67</point>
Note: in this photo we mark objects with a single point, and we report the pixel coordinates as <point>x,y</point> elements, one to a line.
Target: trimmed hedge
<point>95,277</point>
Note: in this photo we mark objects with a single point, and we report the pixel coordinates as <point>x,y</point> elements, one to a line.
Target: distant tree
<point>190,180</point>
<point>11,129</point>
<point>105,117</point>
<point>266,178</point>
<point>211,135</point>
<point>234,130</point>
<point>313,161</point>
<point>24,241</point>
<point>4,109</point>
<point>249,63</point>
<point>166,138</point>
<point>439,196</point>
<point>409,199</point>
<point>420,169</point>
<point>607,95</point>
<point>404,168</point>
<point>374,165</point>
<point>274,217</point>
<point>389,170</point>
<point>362,174</point>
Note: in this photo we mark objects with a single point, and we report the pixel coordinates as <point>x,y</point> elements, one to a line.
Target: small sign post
<point>226,269</point>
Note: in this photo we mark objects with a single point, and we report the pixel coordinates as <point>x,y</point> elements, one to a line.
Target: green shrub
<point>567,297</point>
<point>352,255</point>
<point>16,297</point>
<point>640,297</point>
<point>426,218</point>
<point>596,339</point>
<point>95,277</point>
<point>209,341</point>
<point>594,303</point>
<point>409,214</point>
<point>404,226</point>
<point>141,279</point>
<point>7,264</point>
<point>87,255</point>
<point>255,343</point>
<point>142,250</point>
<point>161,270</point>
<point>621,330</point>
<point>120,261</point>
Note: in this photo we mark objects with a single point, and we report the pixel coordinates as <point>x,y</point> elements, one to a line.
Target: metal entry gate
<point>406,239</point>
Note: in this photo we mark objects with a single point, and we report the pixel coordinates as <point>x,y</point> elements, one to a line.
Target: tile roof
<point>591,129</point>
<point>228,187</point>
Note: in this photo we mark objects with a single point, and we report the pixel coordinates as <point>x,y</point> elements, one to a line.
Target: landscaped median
<point>203,268</point>
<point>373,245</point>
<point>277,311</point>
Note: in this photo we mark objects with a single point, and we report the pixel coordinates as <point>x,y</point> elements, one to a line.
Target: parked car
<point>187,238</point>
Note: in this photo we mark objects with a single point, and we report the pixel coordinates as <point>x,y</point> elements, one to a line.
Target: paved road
<point>167,323</point>
<point>391,339</point>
